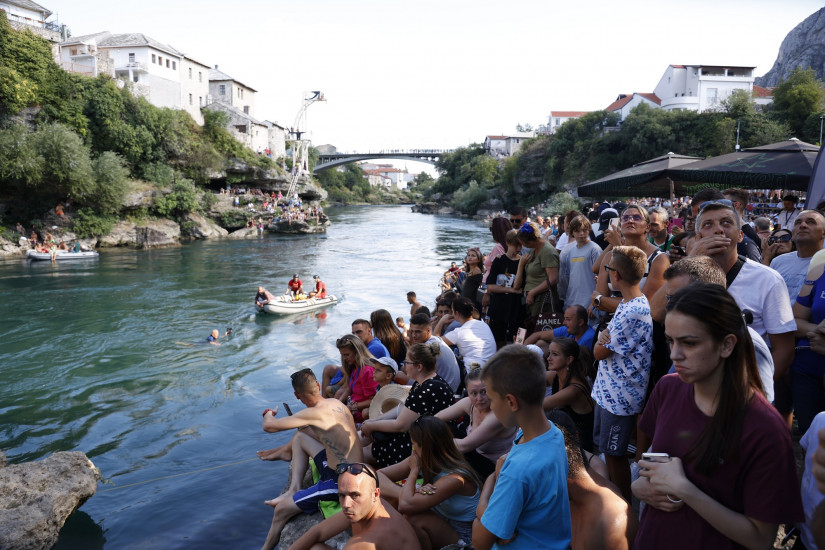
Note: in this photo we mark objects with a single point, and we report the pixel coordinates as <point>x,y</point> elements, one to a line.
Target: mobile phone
<point>656,457</point>
<point>521,335</point>
<point>614,223</point>
<point>287,409</point>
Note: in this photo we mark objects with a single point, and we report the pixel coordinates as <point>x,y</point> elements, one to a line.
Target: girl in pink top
<point>357,366</point>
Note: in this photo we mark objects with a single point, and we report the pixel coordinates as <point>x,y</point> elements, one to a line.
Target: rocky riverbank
<point>37,497</point>
<point>138,230</point>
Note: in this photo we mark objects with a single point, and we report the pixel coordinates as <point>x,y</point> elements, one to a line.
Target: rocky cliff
<point>803,47</point>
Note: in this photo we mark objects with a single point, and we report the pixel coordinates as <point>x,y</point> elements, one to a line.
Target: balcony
<point>132,66</point>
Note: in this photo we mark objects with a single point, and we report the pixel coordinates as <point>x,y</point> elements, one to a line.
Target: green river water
<point>107,357</point>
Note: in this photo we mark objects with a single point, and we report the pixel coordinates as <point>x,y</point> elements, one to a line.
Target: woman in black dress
<point>429,394</point>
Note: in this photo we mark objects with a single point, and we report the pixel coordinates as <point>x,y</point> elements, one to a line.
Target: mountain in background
<point>803,47</point>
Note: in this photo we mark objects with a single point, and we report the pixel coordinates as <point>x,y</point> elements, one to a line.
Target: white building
<point>226,89</point>
<point>25,14</point>
<point>762,96</point>
<point>701,87</point>
<point>194,86</point>
<point>506,146</point>
<point>627,102</point>
<point>557,118</point>
<point>82,55</point>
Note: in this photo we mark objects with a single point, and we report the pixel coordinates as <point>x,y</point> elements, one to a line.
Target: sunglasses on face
<point>632,217</point>
<point>608,268</point>
<point>779,239</point>
<point>355,468</point>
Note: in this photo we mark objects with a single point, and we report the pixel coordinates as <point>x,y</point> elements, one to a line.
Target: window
<point>154,58</point>
<point>200,76</point>
<point>160,61</point>
<point>711,95</point>
<point>174,65</point>
<point>167,63</point>
<point>223,89</point>
<point>135,78</point>
<point>558,121</point>
<point>131,58</point>
<point>190,99</point>
<point>246,109</point>
<point>200,101</point>
<point>190,73</point>
<point>73,51</point>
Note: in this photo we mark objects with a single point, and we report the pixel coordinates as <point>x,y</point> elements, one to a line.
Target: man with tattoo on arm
<point>330,439</point>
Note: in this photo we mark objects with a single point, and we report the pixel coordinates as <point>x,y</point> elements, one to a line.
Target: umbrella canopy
<point>816,189</point>
<point>784,165</point>
<point>649,178</point>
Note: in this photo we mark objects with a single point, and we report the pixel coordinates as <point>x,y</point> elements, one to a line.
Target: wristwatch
<point>598,300</point>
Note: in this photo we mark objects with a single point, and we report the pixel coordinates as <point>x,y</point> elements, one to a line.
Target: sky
<point>446,73</point>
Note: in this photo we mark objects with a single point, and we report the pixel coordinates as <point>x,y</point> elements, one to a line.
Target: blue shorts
<point>337,378</point>
<point>611,432</point>
<point>326,489</point>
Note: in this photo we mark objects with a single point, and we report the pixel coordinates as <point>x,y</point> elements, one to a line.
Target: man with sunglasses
<point>330,440</point>
<point>374,523</point>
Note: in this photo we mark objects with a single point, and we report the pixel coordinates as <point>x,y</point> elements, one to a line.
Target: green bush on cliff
<point>88,223</point>
<point>183,198</point>
<point>468,199</point>
<point>111,176</point>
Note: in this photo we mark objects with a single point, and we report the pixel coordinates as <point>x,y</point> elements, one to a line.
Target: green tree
<point>182,199</point>
<point>110,173</point>
<point>797,98</point>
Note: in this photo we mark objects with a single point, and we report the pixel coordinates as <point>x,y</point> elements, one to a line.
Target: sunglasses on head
<point>355,468</point>
<point>302,371</point>
<point>724,202</point>
<point>780,238</point>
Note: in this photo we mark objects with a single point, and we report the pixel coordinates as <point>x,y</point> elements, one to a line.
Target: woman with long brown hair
<point>384,328</point>
<point>357,366</point>
<point>726,473</point>
<point>442,510</point>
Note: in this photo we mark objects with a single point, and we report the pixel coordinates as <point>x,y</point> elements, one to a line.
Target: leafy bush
<point>209,200</point>
<point>234,219</point>
<point>110,174</point>
<point>159,173</point>
<point>67,169</point>
<point>468,199</point>
<point>561,203</point>
<point>89,224</point>
<point>183,198</point>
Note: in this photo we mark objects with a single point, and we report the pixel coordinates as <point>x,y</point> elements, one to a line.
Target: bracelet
<point>269,411</point>
<point>677,501</point>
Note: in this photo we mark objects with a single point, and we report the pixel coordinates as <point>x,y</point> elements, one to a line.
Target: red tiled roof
<point>496,137</point>
<point>624,99</point>
<point>652,97</point>
<point>759,91</point>
<point>677,66</point>
<point>620,102</point>
<point>568,114</point>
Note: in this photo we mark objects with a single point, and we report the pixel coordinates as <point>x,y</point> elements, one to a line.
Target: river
<point>107,357</point>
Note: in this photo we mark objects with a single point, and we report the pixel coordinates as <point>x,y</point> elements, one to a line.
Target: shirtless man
<point>374,523</point>
<point>413,301</point>
<point>331,439</point>
<point>600,517</point>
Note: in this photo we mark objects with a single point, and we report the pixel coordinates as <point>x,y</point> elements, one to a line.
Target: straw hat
<point>387,398</point>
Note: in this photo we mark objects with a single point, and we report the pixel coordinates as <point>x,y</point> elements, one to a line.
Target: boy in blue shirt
<point>524,504</point>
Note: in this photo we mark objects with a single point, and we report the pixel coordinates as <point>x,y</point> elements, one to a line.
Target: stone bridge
<point>331,160</point>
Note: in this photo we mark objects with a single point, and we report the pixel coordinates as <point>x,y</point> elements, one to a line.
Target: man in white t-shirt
<point>755,287</point>
<point>786,217</point>
<point>809,236</point>
<point>473,338</point>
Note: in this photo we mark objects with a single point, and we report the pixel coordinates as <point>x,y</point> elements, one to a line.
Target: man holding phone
<point>329,421</point>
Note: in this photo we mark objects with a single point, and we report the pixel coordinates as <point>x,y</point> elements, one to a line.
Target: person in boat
<point>295,286</point>
<point>320,288</point>
<point>263,297</point>
<point>215,335</point>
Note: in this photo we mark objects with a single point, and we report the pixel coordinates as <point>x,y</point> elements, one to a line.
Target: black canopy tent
<point>816,187</point>
<point>648,178</point>
<point>784,165</point>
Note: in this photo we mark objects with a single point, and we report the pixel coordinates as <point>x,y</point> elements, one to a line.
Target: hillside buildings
<point>701,87</point>
<point>557,118</point>
<point>505,146</point>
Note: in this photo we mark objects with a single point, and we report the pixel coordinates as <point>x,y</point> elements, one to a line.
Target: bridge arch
<point>331,160</point>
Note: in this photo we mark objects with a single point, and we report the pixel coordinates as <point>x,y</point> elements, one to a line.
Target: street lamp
<point>821,117</point>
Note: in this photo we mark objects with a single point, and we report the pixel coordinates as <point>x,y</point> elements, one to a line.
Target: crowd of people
<point>656,361</point>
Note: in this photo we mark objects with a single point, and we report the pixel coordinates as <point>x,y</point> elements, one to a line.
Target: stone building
<point>248,130</point>
<point>225,89</point>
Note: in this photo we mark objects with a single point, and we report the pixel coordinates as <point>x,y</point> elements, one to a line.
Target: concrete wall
<point>277,142</point>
